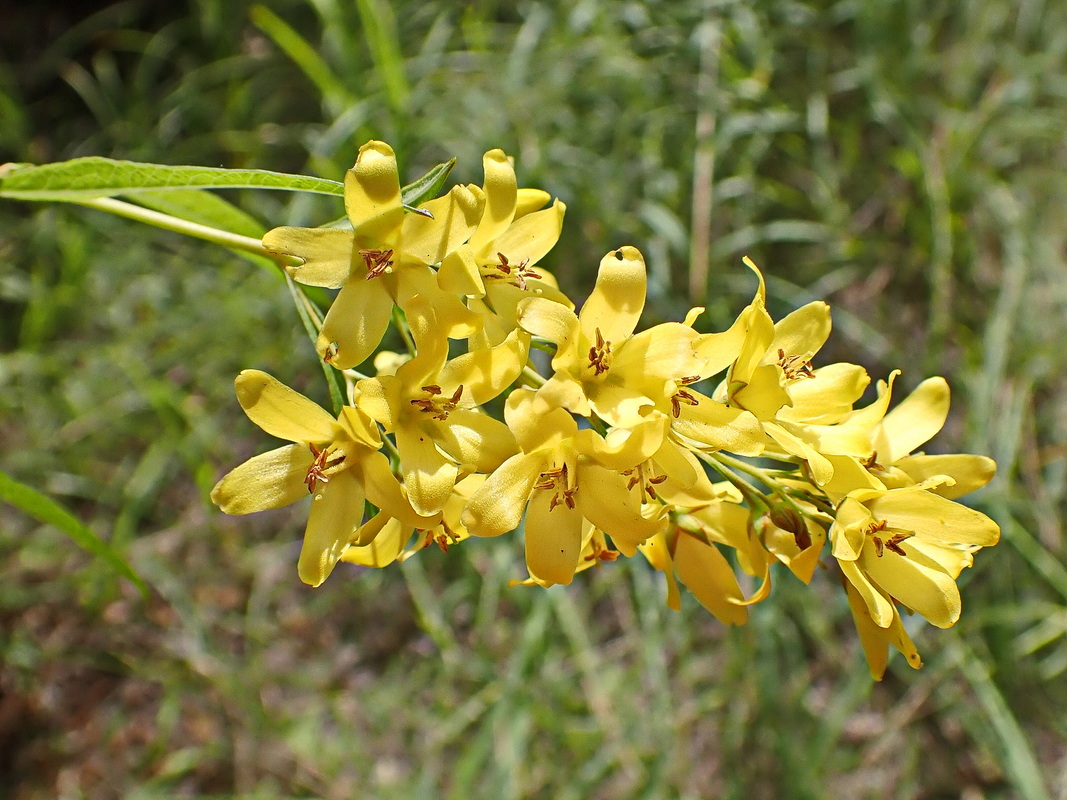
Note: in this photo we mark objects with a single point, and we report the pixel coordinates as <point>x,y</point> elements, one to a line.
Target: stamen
<point>599,354</point>
<point>795,367</point>
<point>377,261</point>
<point>515,274</point>
<point>435,405</point>
<point>557,481</point>
<point>316,473</point>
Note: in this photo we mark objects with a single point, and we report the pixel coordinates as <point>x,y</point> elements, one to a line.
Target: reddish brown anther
<point>377,261</point>
<point>317,471</point>
<point>556,480</point>
<point>599,353</point>
<point>515,274</point>
<point>435,405</point>
<point>795,366</point>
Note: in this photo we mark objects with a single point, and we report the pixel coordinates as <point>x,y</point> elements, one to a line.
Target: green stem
<point>402,328</point>
<point>751,494</point>
<point>532,376</point>
<point>183,226</point>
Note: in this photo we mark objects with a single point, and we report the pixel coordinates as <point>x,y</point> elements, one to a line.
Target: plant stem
<point>178,225</point>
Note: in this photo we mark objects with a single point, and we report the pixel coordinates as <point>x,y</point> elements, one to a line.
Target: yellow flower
<point>909,544</point>
<point>805,411</point>
<point>562,477</point>
<point>335,460</point>
<point>600,364</point>
<point>498,267</point>
<point>430,405</point>
<point>386,257</point>
<point>891,465</point>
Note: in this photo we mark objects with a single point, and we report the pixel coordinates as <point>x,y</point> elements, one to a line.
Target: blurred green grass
<point>902,160</point>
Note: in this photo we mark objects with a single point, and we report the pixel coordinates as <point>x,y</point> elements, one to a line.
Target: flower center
<point>645,477</point>
<point>600,354</point>
<point>892,542</point>
<point>795,367</point>
<point>316,473</point>
<point>377,261</point>
<point>558,482</point>
<point>682,396</point>
<point>442,536</point>
<point>515,274</point>
<point>601,552</point>
<point>435,404</point>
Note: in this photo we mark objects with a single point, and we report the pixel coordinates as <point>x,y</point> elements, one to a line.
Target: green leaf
<point>428,186</point>
<point>91,177</point>
<point>46,510</point>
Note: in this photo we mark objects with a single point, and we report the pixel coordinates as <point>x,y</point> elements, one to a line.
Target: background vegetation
<point>903,160</point>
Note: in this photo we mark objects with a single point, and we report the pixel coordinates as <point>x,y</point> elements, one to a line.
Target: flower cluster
<point>713,455</point>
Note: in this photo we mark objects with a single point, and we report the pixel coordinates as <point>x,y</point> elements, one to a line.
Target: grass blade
<point>44,509</point>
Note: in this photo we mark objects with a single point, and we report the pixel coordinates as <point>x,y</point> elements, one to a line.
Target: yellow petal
<point>454,319</point>
<point>534,426</point>
<point>336,514</point>
<point>848,476</point>
<point>486,372</point>
<point>372,194</point>
<point>553,539</point>
<point>428,240</point>
<point>327,254</point>
<point>529,200</point>
<point>385,492</point>
<point>623,448</point>
<point>934,518</point>
<point>821,469</point>
<point>914,421</point>
<point>802,332</point>
<point>719,427</point>
<point>970,472</point>
<point>917,581</point>
<point>881,610</point>
<point>355,324</point>
<point>618,298</point>
<point>530,237</point>
<point>282,412</point>
<point>269,480</point>
<point>476,440</point>
<point>719,350</point>
<point>759,329</point>
<point>876,640</point>
<point>428,475</point>
<point>783,544</point>
<point>554,322</point>
<point>500,195</point>
<point>849,531</point>
<point>666,350</point>
<point>379,399</point>
<point>762,394</point>
<point>655,550</point>
<point>459,273</point>
<point>383,547</point>
<point>604,499</point>
<point>497,506</point>
<point>707,574</point>
<point>827,396</point>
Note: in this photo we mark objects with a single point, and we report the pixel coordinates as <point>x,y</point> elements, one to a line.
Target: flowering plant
<point>715,456</point>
